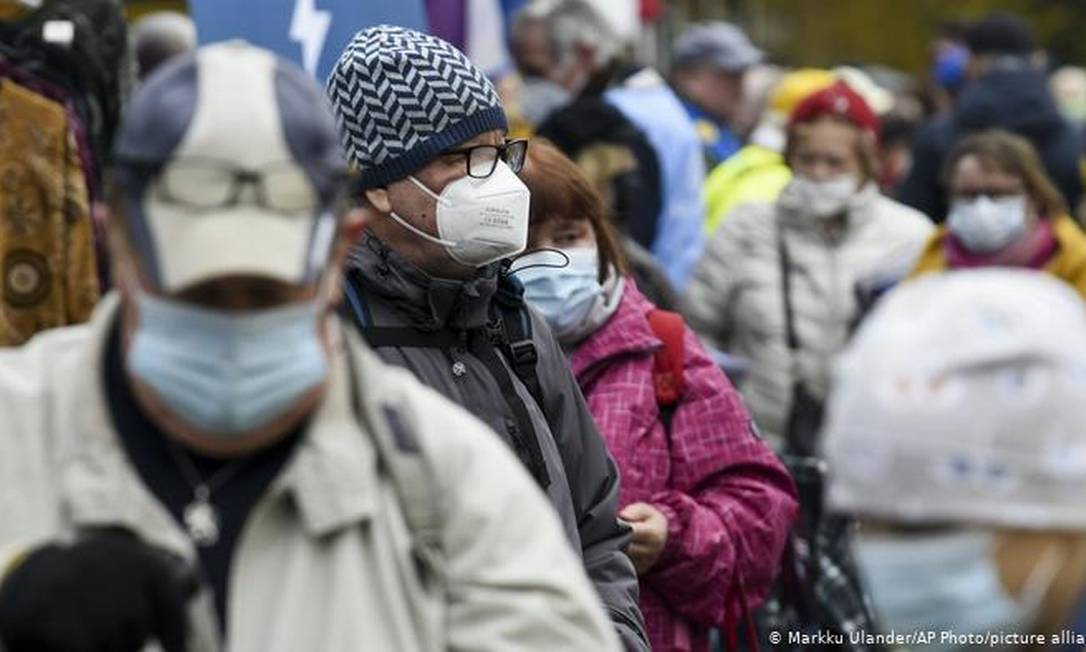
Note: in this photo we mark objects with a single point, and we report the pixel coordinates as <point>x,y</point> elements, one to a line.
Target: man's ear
<point>123,267</point>
<point>351,227</point>
<point>378,199</point>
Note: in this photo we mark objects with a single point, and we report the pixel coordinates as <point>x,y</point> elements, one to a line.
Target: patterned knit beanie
<point>401,97</point>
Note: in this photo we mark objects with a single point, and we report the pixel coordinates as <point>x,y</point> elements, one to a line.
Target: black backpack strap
<point>516,333</point>
<point>785,258</point>
<point>522,432</point>
<point>358,310</point>
<point>405,336</point>
<point>355,305</point>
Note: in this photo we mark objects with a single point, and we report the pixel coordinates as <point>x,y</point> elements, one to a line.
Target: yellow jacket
<point>753,174</point>
<point>1069,263</point>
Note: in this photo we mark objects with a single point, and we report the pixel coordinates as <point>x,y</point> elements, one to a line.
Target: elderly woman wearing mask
<point>1005,212</point>
<point>709,503</point>
<point>830,231</point>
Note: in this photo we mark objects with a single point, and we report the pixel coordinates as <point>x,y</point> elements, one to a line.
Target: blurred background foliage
<point>895,33</point>
<point>134,9</point>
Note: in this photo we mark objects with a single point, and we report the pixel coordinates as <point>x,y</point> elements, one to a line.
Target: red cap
<point>839,100</point>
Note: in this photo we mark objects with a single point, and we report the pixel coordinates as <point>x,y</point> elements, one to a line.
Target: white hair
<point>170,26</point>
<point>575,23</point>
<point>157,37</point>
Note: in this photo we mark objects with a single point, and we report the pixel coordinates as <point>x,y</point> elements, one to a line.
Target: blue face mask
<point>946,582</point>
<point>227,373</point>
<point>566,296</point>
<point>950,67</point>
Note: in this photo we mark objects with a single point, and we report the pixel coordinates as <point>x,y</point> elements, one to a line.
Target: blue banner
<point>310,32</point>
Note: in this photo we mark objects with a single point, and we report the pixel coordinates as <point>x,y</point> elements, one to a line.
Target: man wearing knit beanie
<point>429,288</point>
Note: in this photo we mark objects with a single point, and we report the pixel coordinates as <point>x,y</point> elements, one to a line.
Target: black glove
<point>108,593</point>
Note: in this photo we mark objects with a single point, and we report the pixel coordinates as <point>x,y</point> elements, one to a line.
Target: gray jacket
<point>583,479</point>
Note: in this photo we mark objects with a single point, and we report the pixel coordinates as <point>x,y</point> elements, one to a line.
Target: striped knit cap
<point>401,97</point>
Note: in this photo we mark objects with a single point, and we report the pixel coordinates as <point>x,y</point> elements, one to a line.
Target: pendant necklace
<point>200,516</point>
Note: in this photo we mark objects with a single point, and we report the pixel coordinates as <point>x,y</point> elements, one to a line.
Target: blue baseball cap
<point>719,44</point>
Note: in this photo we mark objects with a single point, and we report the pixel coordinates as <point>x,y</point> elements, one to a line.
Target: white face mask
<point>479,221</point>
<point>819,199</point>
<point>984,225</point>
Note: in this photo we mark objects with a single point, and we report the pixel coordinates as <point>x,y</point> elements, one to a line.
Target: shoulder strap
<point>786,289</point>
<point>667,368</point>
<point>407,337</point>
<point>403,461</point>
<point>668,377</point>
<point>523,433</point>
<point>516,326</point>
<point>389,336</point>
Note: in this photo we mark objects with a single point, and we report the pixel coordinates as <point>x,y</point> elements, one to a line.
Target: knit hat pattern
<point>401,97</point>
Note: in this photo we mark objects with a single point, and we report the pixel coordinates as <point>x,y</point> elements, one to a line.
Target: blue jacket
<point>1015,99</point>
<point>654,108</point>
<point>717,139</point>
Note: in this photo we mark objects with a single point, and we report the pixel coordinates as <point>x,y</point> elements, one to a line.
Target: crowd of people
<point>728,356</point>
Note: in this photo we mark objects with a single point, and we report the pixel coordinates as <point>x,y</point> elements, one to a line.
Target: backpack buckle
<point>523,353</point>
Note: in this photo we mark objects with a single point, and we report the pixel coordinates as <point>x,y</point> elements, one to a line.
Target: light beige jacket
<point>324,561</point>
<point>735,300</point>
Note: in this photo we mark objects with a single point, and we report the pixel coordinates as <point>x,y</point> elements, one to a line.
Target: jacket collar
<point>428,302</point>
<point>332,476</point>
<point>627,332</point>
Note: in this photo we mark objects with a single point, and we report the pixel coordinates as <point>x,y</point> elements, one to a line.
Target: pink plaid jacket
<point>729,502</point>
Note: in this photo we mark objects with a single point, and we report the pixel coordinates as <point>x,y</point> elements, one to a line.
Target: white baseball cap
<point>230,162</point>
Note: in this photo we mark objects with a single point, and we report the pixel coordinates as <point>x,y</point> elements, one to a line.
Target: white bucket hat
<point>963,398</point>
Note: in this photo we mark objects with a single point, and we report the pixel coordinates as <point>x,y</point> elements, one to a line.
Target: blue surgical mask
<point>566,296</point>
<point>227,373</point>
<point>946,581</point>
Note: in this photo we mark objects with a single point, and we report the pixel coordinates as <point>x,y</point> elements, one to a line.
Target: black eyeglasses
<point>481,160</point>
<point>208,184</point>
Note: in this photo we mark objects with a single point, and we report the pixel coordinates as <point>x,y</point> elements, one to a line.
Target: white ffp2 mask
<point>984,225</point>
<point>479,221</point>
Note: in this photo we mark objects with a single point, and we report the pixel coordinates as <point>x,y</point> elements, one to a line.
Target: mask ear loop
<point>417,231</point>
<point>420,233</point>
<point>513,261</point>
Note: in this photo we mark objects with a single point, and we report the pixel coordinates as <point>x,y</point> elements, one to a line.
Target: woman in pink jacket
<point>709,503</point>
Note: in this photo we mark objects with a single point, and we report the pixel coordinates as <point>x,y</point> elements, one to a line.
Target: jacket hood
<point>627,332</point>
<point>1015,99</point>
<point>429,303</point>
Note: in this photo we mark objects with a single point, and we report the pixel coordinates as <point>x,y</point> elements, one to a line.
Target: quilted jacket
<point>736,302</point>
